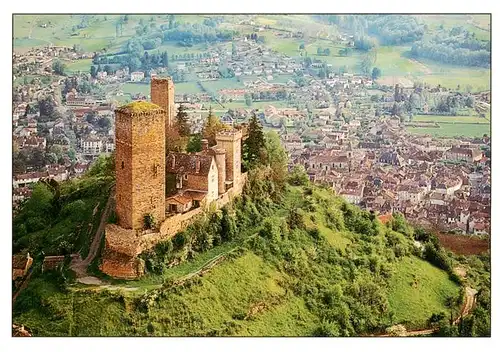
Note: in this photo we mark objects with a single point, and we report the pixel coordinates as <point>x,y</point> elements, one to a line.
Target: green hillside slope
<point>299,262</point>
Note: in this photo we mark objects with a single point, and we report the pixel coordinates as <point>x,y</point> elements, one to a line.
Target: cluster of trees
<point>55,218</point>
<point>363,43</point>
<point>458,47</point>
<point>442,52</point>
<point>345,52</point>
<point>268,95</point>
<point>58,67</point>
<point>389,29</point>
<point>395,29</point>
<point>190,34</point>
<point>444,104</point>
<point>323,52</point>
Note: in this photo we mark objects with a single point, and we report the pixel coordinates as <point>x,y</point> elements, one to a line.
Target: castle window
<point>186,177</point>
<point>123,164</point>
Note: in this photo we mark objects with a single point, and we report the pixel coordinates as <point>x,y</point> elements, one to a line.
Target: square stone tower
<point>140,163</point>
<point>230,141</point>
<point>162,94</point>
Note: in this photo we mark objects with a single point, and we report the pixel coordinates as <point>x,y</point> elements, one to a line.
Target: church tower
<point>140,163</point>
<point>162,94</point>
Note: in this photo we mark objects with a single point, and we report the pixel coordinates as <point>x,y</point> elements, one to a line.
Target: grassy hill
<point>285,260</point>
<point>418,289</point>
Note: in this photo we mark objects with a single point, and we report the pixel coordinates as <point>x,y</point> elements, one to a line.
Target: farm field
<point>255,104</point>
<point>453,130</point>
<point>62,30</point>
<point>450,119</point>
<point>464,245</point>
<point>417,290</point>
<point>78,65</point>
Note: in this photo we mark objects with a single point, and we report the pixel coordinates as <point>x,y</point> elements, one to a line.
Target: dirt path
<point>469,300</point>
<point>80,267</point>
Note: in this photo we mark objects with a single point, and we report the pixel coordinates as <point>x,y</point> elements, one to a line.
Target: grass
<point>289,319</point>
<point>453,130</point>
<point>451,119</point>
<point>78,65</point>
<point>416,303</point>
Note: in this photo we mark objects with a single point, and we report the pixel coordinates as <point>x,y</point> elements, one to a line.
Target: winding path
<point>80,266</point>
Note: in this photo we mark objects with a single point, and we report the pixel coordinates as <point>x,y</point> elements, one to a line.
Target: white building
<point>137,76</point>
<point>92,146</point>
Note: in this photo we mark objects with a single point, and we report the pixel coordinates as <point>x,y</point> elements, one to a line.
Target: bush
<point>299,176</point>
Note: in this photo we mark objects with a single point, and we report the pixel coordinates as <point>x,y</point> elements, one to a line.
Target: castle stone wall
<point>140,171</point>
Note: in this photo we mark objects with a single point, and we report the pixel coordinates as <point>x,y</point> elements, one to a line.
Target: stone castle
<point>143,169</point>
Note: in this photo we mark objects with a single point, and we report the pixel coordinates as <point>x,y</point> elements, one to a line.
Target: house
<point>109,145</point>
<point>460,154</point>
<point>92,145</point>
<point>137,76</point>
<point>21,193</point>
<point>80,168</point>
<point>54,261</point>
<point>198,179</point>
<point>353,196</point>
<point>391,158</point>
<point>102,74</point>
<point>191,172</point>
<point>21,263</point>
<point>23,180</point>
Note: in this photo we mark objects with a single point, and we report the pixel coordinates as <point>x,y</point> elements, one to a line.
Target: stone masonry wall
<point>140,171</point>
<point>162,94</point>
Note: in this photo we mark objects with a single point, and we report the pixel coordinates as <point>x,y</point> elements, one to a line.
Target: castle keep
<point>212,176</point>
<point>139,164</point>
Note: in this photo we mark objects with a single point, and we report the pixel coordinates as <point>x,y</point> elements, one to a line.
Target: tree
<point>212,126</point>
<point>299,176</point>
<point>164,59</point>
<point>194,144</point>
<point>182,122</point>
<point>46,106</point>
<point>104,123</point>
<point>302,46</point>
<point>276,157</point>
<point>254,143</point>
<point>93,71</point>
<point>228,225</point>
<point>376,73</point>
<point>58,67</point>
<point>174,141</point>
<point>248,99</point>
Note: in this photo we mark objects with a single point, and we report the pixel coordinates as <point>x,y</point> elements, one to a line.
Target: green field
<point>417,290</point>
<point>100,32</point>
<point>453,130</point>
<point>255,104</point>
<point>78,65</point>
<point>451,119</point>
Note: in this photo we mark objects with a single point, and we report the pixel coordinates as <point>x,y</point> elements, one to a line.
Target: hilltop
<point>287,258</point>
